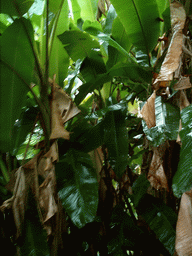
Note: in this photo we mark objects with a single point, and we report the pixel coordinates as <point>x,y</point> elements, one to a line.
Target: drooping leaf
<point>183,177</point>
<point>174,53</point>
<point>111,15</point>
<point>116,139</point>
<point>77,186</point>
<point>140,20</point>
<point>78,44</point>
<point>34,236</point>
<point>17,62</point>
<point>139,188</point>
<point>15,8</point>
<point>93,66</point>
<point>161,219</point>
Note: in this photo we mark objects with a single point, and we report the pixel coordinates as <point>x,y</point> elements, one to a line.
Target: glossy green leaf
<point>59,59</point>
<point>167,123</point>
<point>140,19</point>
<point>139,188</point>
<point>111,15</point>
<point>161,219</point>
<point>17,63</point>
<point>183,177</point>
<point>116,139</point>
<point>77,186</point>
<point>15,8</point>
<point>78,44</point>
<point>88,9</point>
<point>37,8</point>
<point>76,10</point>
<point>34,242</point>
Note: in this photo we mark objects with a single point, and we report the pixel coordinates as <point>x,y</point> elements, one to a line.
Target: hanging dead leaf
<point>148,111</point>
<point>172,62</point>
<point>62,110</point>
<point>183,100</point>
<point>156,175</point>
<point>183,243</point>
<point>97,159</point>
<point>183,83</point>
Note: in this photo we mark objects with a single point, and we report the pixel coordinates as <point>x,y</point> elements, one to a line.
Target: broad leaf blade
<point>182,181</point>
<point>17,63</point>
<point>161,219</point>
<point>15,8</point>
<point>78,44</point>
<point>88,9</point>
<point>78,188</point>
<point>116,140</point>
<point>140,19</point>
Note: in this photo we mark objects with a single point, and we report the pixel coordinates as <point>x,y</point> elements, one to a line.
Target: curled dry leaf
<point>156,175</point>
<point>183,243</point>
<point>183,83</point>
<point>148,111</point>
<point>172,61</point>
<point>62,110</point>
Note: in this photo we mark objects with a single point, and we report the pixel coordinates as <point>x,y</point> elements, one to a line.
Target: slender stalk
<point>4,170</point>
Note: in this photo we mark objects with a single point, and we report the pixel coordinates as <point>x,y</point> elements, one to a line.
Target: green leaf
<point>140,20</point>
<point>78,44</point>
<point>116,139</point>
<point>139,188</point>
<point>92,66</point>
<point>167,123</point>
<point>34,242</point>
<point>59,59</point>
<point>15,8</point>
<point>111,15</point>
<point>16,67</point>
<point>131,71</point>
<point>120,36</point>
<point>77,186</point>
<point>183,177</point>
<point>91,86</point>
<point>104,38</point>
<point>23,126</point>
<point>88,9</point>
<point>161,219</point>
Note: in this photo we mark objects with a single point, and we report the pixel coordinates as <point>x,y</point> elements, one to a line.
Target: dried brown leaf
<point>183,100</point>
<point>156,175</point>
<point>183,243</point>
<point>62,110</point>
<point>183,83</point>
<point>172,61</point>
<point>148,111</point>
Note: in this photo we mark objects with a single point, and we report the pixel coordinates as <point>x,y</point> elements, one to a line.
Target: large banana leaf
<point>77,186</point>
<point>16,67</point>
<point>88,9</point>
<point>116,139</point>
<point>140,19</point>
<point>182,181</point>
<point>16,7</point>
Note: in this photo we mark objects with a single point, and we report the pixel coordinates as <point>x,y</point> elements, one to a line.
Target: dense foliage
<point>95,127</point>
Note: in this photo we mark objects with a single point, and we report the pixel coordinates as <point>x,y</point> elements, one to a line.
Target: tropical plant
<point>95,127</point>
